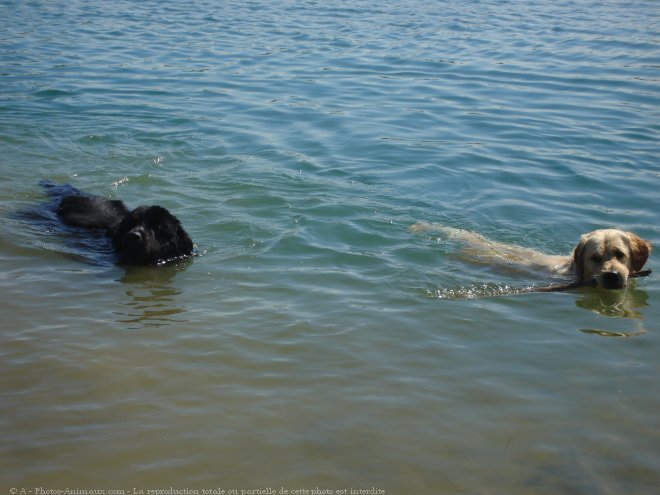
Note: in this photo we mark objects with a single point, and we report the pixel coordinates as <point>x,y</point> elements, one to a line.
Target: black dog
<point>148,235</point>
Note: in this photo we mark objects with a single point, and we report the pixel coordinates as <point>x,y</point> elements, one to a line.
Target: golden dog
<point>606,258</point>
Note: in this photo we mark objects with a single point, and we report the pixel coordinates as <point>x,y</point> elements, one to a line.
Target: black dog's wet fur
<point>147,235</point>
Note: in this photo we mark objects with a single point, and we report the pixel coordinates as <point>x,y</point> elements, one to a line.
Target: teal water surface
<point>315,342</point>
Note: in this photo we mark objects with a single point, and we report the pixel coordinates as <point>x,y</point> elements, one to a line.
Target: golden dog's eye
<point>597,258</point>
<point>620,255</point>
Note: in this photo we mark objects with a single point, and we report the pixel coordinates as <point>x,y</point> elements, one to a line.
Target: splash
<point>478,291</point>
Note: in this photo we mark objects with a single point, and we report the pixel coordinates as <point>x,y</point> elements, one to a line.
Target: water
<point>315,342</point>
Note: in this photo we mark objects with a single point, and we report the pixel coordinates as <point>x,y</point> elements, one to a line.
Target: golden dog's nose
<point>612,280</point>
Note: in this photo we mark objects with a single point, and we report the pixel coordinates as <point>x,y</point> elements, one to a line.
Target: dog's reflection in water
<point>617,304</point>
<point>152,298</point>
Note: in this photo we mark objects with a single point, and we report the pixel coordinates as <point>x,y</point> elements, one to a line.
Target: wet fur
<point>607,257</point>
<point>147,235</point>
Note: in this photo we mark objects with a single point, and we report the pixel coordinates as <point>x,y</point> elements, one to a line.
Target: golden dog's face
<point>609,256</point>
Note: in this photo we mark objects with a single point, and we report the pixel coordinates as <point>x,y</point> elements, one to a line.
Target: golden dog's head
<point>609,256</point>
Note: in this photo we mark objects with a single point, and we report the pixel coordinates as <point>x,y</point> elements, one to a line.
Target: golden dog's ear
<point>578,257</point>
<point>639,251</point>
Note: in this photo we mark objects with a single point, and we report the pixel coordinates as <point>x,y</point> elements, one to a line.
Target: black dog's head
<point>150,235</point>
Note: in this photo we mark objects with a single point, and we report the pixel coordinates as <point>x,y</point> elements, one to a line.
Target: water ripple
<point>297,142</point>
